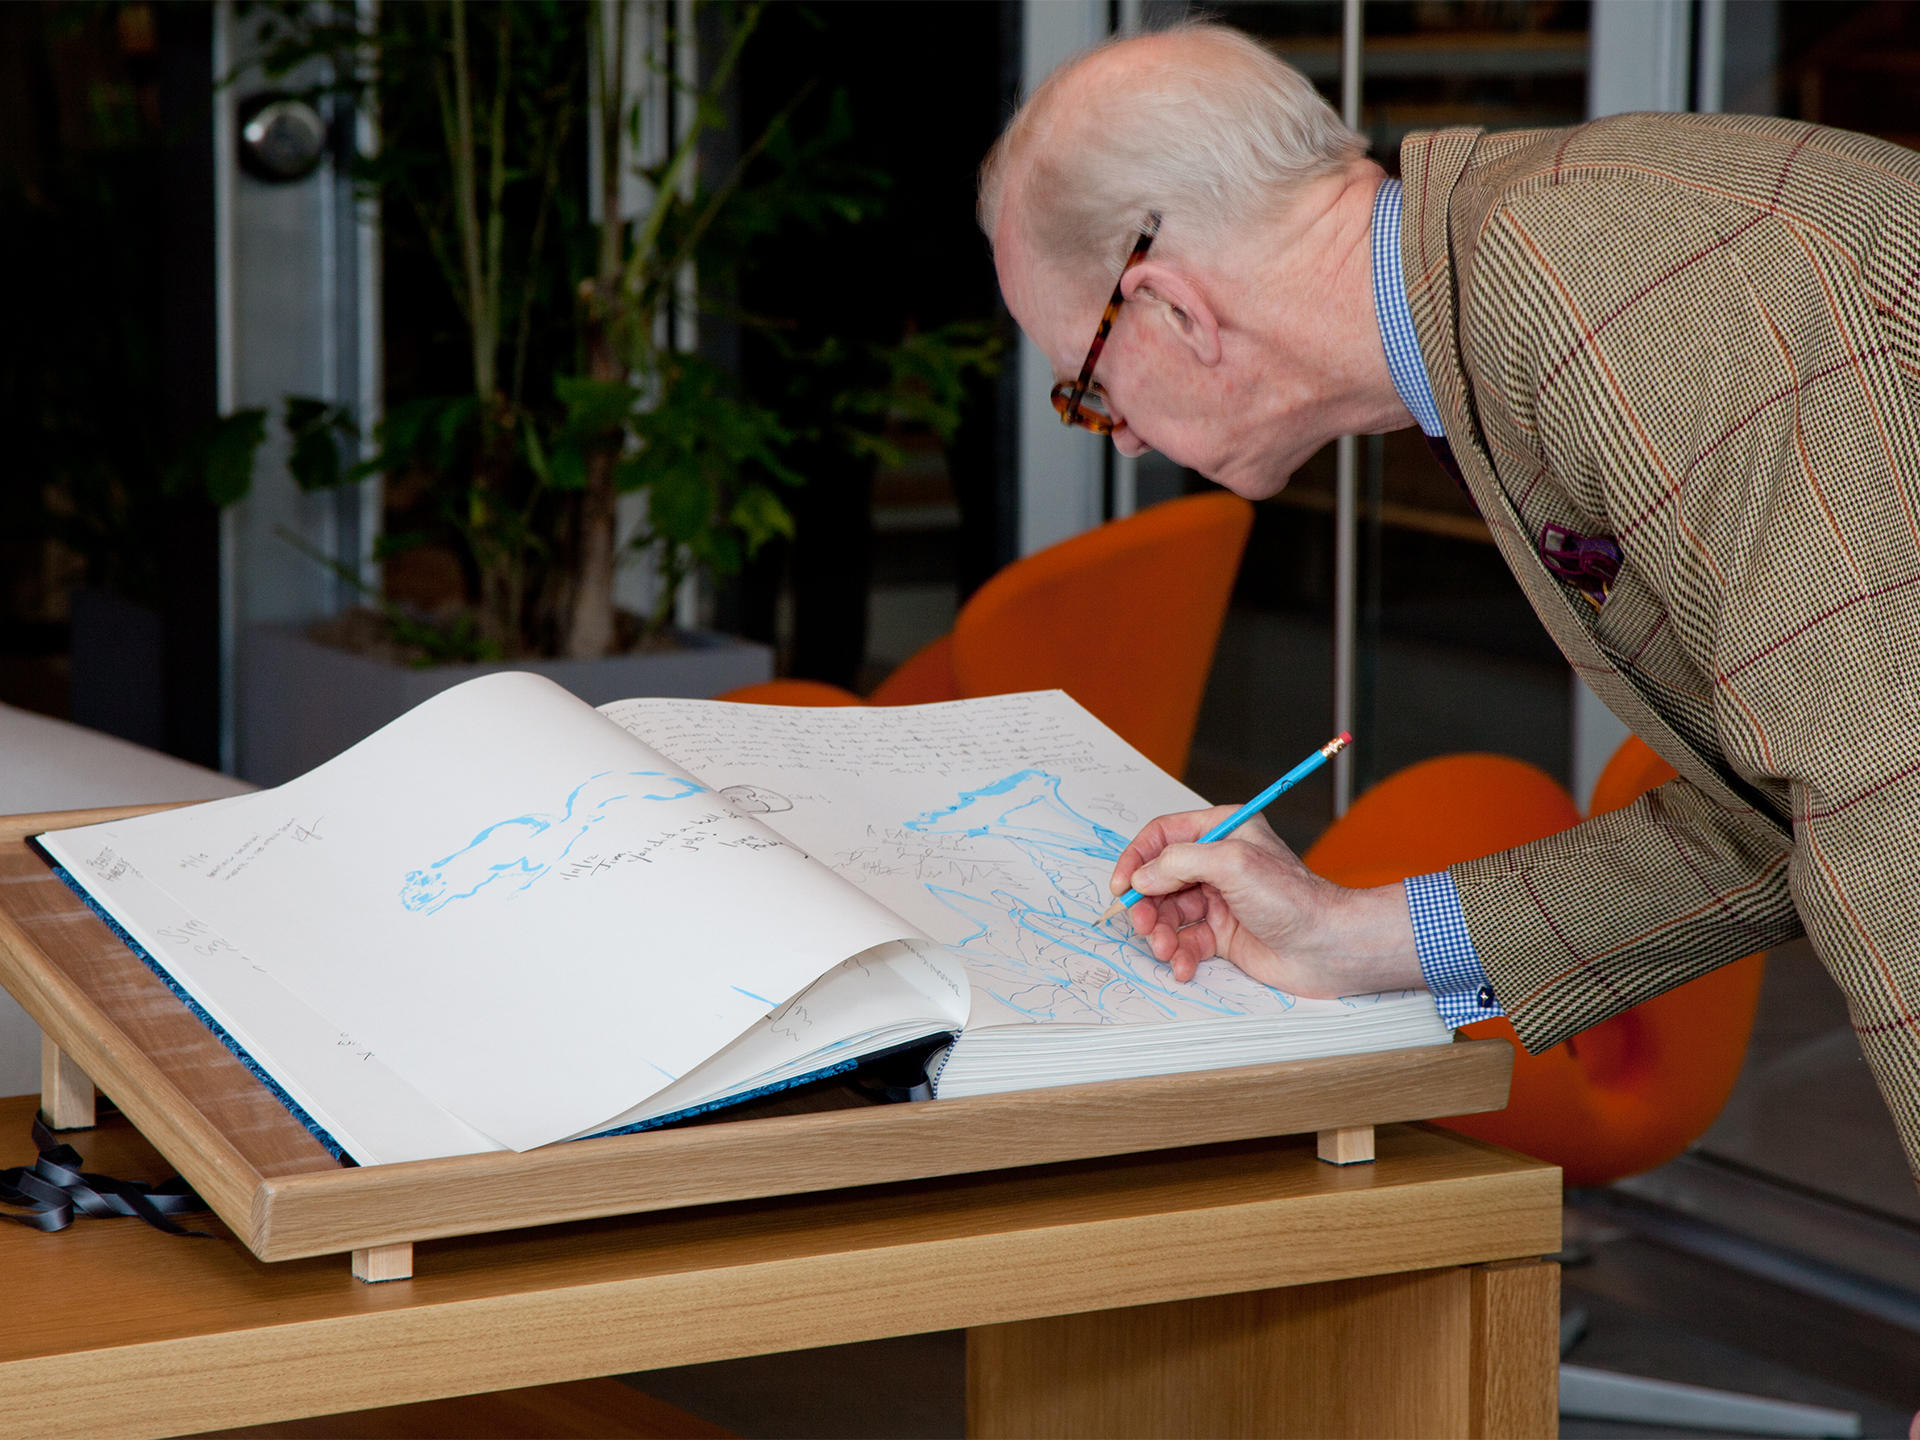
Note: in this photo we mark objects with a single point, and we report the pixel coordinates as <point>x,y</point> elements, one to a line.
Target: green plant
<point>918,383</point>
<point>574,395</point>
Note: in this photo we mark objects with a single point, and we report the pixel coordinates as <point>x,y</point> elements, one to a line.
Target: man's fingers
<point>1143,915</point>
<point>1178,931</point>
<point>1162,940</point>
<point>1159,914</point>
<point>1151,840</point>
<point>1156,835</point>
<point>1193,944</point>
<point>1188,905</point>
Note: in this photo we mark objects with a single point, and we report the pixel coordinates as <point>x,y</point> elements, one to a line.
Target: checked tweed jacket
<point>1700,336</point>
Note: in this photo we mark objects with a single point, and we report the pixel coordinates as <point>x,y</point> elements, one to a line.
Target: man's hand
<point>1248,899</point>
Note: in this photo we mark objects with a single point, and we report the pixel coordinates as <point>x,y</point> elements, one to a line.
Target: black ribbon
<point>54,1190</point>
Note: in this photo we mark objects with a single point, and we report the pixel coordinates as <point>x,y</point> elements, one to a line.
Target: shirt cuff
<point>1448,961</point>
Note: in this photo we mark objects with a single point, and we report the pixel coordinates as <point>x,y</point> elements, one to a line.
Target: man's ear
<point>1182,307</point>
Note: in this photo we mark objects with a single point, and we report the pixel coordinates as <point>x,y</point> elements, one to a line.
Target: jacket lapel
<point>1432,166</point>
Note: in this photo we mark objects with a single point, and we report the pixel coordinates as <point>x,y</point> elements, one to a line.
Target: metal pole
<point>1346,480</point>
<point>1062,478</point>
<point>683,42</point>
<point>225,386</point>
<point>369,399</point>
<point>1710,64</point>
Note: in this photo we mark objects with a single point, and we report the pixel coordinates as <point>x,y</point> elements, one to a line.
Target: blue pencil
<point>1253,807</point>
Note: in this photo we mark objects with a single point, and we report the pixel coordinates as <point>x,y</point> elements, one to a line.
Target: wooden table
<point>1234,1289</point>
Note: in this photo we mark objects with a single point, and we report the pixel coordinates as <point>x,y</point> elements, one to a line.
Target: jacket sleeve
<point>1579,926</point>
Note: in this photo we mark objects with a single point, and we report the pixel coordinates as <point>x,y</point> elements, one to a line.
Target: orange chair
<point>1123,618</point>
<point>792,692</point>
<point>1624,1096</point>
<point>1429,815</point>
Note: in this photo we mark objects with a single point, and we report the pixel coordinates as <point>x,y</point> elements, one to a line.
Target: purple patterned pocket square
<point>1590,563</point>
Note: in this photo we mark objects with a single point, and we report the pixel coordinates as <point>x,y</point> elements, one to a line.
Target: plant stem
<point>673,572</point>
<point>723,192</point>
<point>460,144</point>
<point>589,626</point>
<point>481,242</point>
<point>496,192</point>
<point>646,238</point>
<point>562,124</point>
<point>611,34</point>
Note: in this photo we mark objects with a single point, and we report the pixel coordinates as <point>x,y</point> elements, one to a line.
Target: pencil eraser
<point>1346,737</point>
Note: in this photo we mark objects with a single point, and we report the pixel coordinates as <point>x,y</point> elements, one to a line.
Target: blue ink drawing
<point>517,852</point>
<point>1045,954</point>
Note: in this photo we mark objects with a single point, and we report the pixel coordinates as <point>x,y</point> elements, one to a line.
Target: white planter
<point>301,702</point>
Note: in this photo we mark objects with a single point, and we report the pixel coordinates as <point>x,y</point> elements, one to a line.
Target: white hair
<point>1211,130</point>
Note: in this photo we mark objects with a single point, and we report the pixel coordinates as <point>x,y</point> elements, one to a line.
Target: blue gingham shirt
<point>1448,961</point>
<point>1409,371</point>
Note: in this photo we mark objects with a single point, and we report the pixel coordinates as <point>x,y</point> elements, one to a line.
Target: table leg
<point>383,1262</point>
<point>66,1094</point>
<point>1387,1355</point>
<point>1516,1339</point>
<point>1348,1145</point>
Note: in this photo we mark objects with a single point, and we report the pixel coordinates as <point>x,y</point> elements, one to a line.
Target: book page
<point>909,990</point>
<point>373,1114</point>
<point>530,916</point>
<point>992,824</point>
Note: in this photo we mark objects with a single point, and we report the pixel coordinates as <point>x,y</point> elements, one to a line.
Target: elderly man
<point>1675,361</point>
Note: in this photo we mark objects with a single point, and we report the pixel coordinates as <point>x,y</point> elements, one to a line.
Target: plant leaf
<point>227,460</point>
<point>568,466</point>
<point>594,407</point>
<point>760,516</point>
<point>316,427</point>
<point>680,505</point>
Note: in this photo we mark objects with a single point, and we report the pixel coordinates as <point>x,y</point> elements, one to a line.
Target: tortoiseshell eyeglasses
<point>1084,403</point>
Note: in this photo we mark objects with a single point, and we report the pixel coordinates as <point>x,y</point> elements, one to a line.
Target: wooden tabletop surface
<point>145,1333</point>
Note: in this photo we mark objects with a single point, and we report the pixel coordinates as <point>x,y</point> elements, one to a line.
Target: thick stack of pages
<point>508,919</point>
<point>1004,1057</point>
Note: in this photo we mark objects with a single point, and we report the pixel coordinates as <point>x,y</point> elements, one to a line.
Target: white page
<point>992,824</point>
<point>902,990</point>
<point>898,993</point>
<point>530,916</point>
<point>373,1114</point>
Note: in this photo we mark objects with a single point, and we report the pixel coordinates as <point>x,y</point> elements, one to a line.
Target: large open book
<point>508,919</point>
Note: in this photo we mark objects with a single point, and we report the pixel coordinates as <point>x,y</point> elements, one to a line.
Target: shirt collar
<point>1397,336</point>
